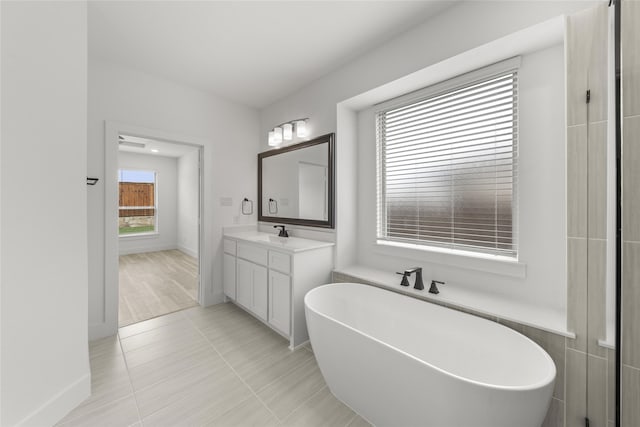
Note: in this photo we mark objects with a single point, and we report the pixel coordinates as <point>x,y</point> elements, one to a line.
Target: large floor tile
<point>358,421</point>
<point>121,412</point>
<point>291,390</point>
<point>173,364</point>
<point>150,324</point>
<point>262,372</point>
<point>105,347</point>
<point>322,409</point>
<point>226,340</point>
<point>250,413</point>
<point>186,383</point>
<point>181,329</point>
<point>261,345</point>
<point>107,364</point>
<point>199,403</point>
<point>161,349</point>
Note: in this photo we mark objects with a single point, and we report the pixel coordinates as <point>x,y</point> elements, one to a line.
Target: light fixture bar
<point>284,131</point>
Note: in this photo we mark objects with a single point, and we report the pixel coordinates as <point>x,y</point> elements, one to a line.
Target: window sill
<point>140,235</point>
<point>495,264</point>
<point>607,343</point>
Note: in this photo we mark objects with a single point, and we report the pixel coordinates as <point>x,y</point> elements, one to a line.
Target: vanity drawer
<point>279,261</point>
<point>230,246</point>
<point>252,253</point>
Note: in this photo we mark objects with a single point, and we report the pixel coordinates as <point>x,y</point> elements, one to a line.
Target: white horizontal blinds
<point>448,168</point>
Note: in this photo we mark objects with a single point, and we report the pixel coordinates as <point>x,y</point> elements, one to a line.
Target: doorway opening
<point>158,227</point>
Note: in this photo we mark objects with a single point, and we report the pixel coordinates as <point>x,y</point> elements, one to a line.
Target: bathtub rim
<point>529,387</point>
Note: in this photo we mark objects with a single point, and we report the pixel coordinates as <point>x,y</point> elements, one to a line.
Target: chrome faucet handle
<point>433,289</point>
<point>405,278</point>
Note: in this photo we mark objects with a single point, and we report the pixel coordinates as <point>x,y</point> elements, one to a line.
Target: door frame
<point>111,252</point>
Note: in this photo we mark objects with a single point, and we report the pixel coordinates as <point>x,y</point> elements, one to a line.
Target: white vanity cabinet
<point>252,287</point>
<point>270,276</point>
<point>280,301</point>
<point>229,269</point>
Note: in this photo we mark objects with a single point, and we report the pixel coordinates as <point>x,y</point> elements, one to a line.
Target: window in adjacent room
<point>138,210</point>
<point>447,165</point>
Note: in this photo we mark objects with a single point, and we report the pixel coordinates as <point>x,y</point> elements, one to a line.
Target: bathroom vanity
<point>268,276</point>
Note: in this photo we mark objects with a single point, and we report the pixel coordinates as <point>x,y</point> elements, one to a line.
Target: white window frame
<point>156,228</point>
<point>416,96</point>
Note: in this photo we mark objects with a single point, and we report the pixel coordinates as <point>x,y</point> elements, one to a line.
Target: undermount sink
<point>271,238</point>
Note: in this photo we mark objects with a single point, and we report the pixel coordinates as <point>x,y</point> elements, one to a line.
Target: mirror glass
<point>295,183</point>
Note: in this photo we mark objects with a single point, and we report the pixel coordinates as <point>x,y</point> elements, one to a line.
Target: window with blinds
<point>447,167</point>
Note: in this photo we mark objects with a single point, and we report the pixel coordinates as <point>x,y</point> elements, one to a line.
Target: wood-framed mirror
<point>296,184</point>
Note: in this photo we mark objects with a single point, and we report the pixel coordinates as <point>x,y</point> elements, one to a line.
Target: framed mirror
<point>296,183</point>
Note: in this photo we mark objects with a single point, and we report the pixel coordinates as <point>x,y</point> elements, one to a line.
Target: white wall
<point>188,187</point>
<point>457,29</point>
<point>166,169</point>
<point>461,28</point>
<point>228,132</point>
<point>45,362</point>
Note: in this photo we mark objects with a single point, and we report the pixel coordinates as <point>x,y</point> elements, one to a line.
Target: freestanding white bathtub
<point>398,361</point>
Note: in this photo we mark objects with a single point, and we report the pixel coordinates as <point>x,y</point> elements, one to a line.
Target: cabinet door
<point>229,276</point>
<point>260,291</point>
<point>279,301</point>
<point>244,284</point>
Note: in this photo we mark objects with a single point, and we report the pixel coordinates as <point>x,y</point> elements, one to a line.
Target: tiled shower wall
<point>589,366</point>
<point>630,404</point>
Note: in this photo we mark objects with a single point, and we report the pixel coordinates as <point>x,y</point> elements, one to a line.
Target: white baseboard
<point>188,251</point>
<point>61,404</point>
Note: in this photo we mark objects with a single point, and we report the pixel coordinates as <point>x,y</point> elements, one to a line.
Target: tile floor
<point>214,366</point>
<point>156,283</point>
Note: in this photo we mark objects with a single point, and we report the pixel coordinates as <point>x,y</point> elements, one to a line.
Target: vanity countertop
<point>287,244</point>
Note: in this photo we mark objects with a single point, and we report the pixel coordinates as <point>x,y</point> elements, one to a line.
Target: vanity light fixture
<point>301,128</point>
<point>277,135</point>
<point>284,131</point>
<point>287,131</point>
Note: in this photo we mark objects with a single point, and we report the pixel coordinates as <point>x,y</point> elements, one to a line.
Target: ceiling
<point>132,144</point>
<point>251,52</point>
